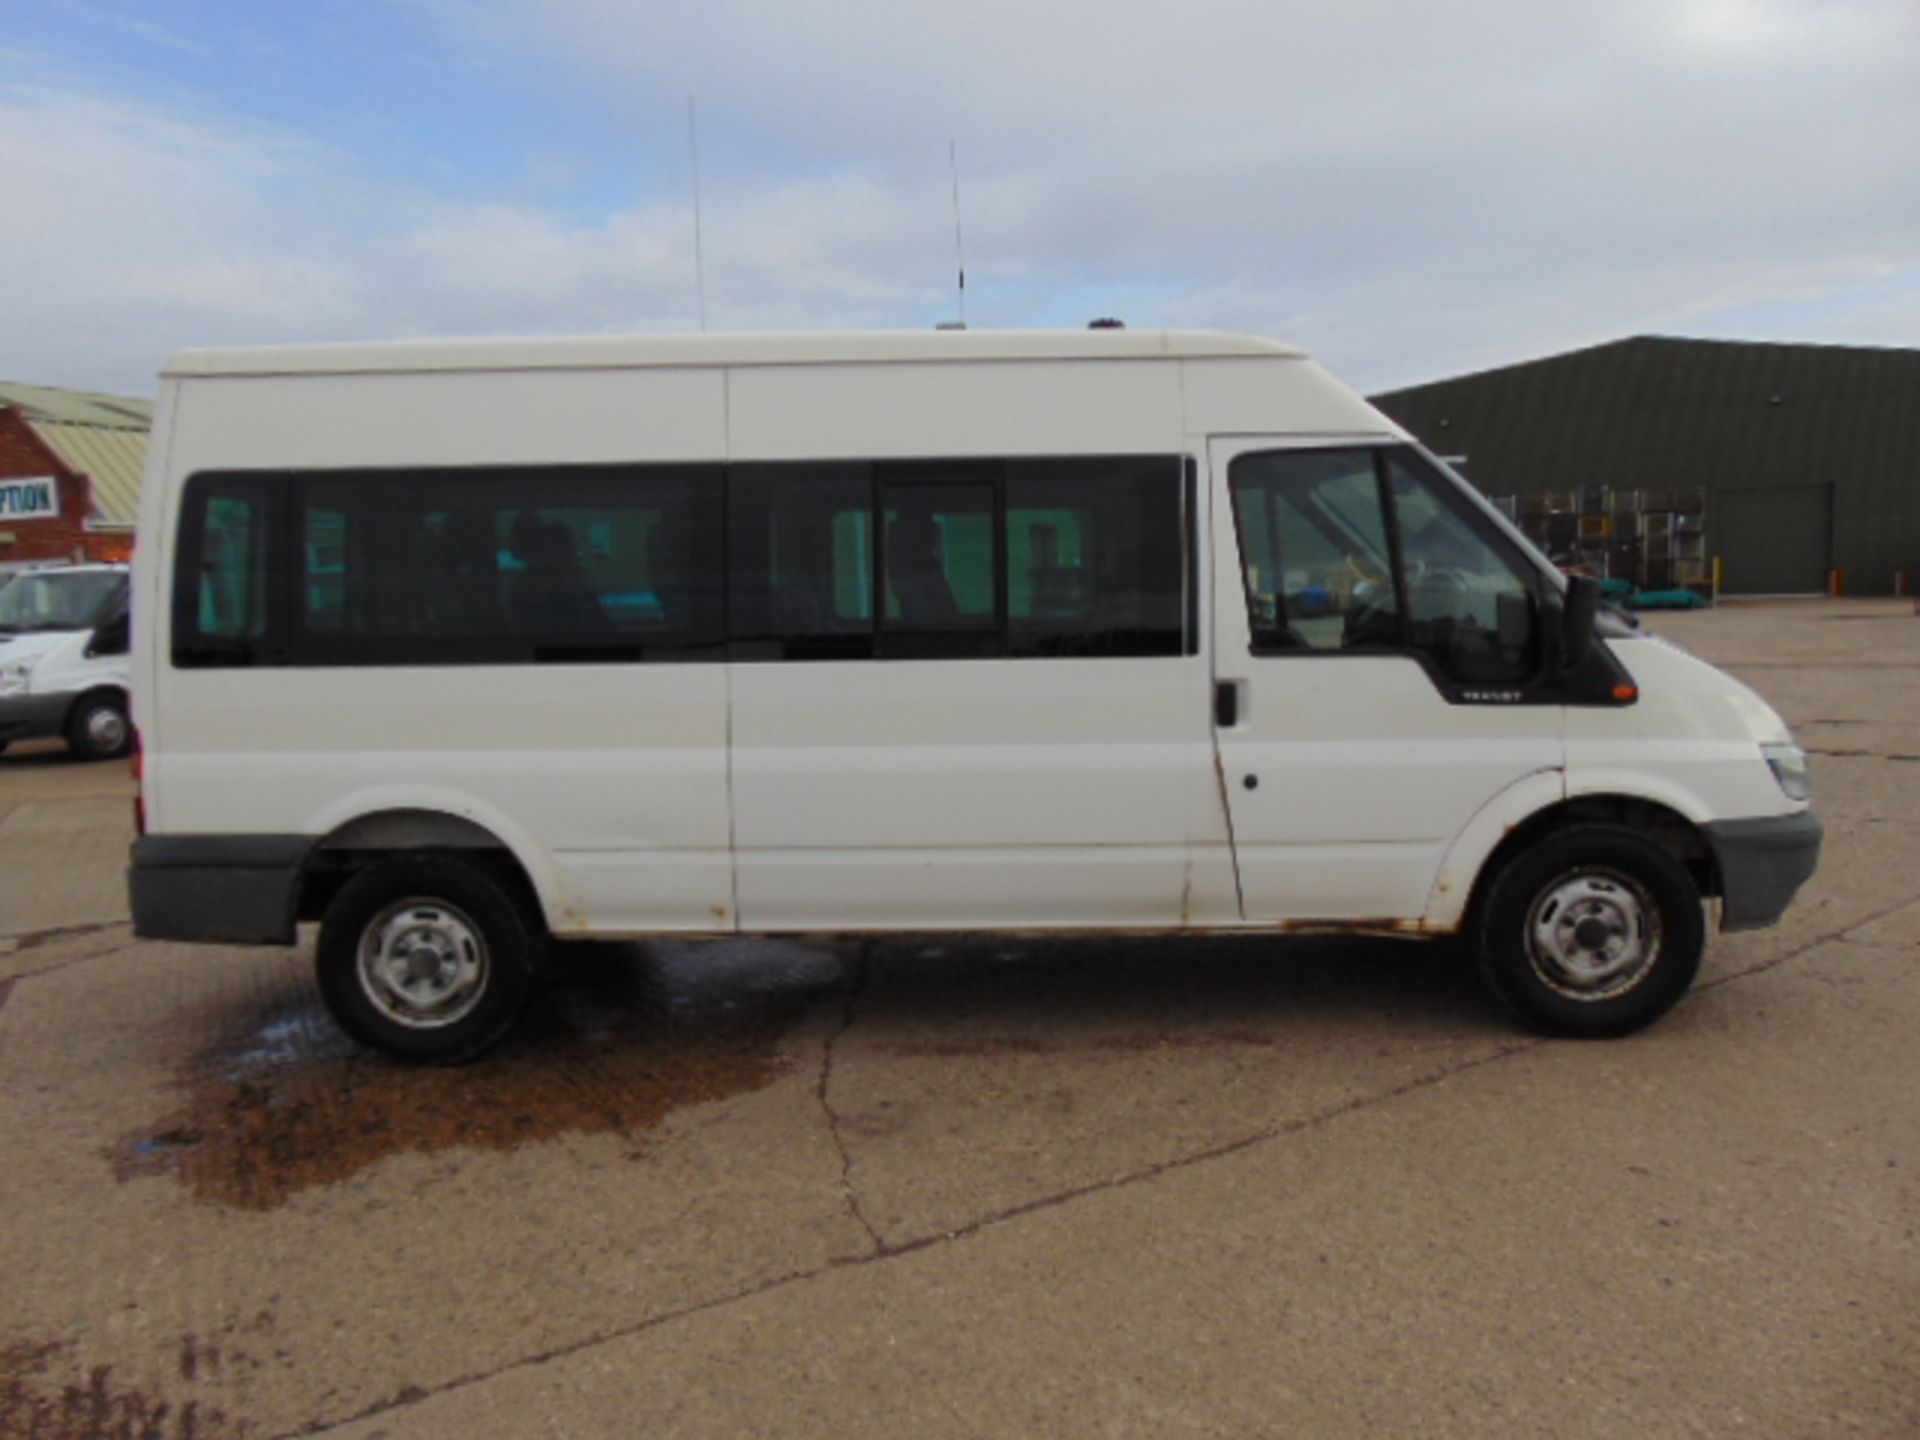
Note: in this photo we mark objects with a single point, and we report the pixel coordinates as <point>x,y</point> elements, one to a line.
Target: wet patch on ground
<point>45,1396</point>
<point>622,1038</point>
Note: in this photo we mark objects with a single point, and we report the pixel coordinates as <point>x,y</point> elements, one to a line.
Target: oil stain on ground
<point>43,1398</point>
<point>622,1038</point>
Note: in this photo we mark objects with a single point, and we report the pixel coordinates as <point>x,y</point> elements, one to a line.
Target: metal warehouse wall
<point>1660,414</point>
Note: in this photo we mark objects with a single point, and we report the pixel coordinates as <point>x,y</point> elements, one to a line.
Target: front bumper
<point>1762,864</point>
<point>32,717</point>
<point>228,889</point>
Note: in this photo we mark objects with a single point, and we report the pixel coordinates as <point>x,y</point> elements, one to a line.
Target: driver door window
<point>1369,549</point>
<point>1313,537</point>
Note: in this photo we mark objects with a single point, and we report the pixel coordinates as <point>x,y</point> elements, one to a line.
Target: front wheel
<point>428,960</point>
<point>99,729</point>
<point>1594,931</point>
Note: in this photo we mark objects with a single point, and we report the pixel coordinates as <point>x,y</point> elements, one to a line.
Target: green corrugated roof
<point>1659,413</point>
<point>1670,415</point>
<point>103,436</point>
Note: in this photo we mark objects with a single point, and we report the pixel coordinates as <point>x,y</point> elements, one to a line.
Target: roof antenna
<point>959,254</point>
<point>699,265</point>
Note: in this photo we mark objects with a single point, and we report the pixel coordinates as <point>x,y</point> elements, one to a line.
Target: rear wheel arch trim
<point>445,820</point>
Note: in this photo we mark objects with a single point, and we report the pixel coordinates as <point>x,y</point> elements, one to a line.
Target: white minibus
<point>456,647</point>
<point>63,658</point>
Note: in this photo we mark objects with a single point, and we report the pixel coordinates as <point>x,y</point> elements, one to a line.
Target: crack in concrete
<point>883,1253</point>
<point>863,970</point>
<point>1760,967</point>
<point>71,961</point>
<point>34,939</point>
<point>414,1394</point>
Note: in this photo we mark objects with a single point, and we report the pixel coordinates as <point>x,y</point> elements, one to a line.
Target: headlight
<point>14,676</point>
<point>1789,765</point>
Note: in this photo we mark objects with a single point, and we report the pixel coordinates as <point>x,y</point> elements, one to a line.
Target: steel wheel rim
<point>423,963</point>
<point>1593,933</point>
<point>106,728</point>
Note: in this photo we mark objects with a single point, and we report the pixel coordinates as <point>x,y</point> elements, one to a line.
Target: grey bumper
<point>231,889</point>
<point>32,717</point>
<point>1762,863</point>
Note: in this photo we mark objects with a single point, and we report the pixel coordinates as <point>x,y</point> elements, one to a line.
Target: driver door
<point>1376,649</point>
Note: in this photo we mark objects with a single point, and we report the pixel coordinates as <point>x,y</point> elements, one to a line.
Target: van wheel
<point>1594,931</point>
<point>98,728</point>
<point>428,961</point>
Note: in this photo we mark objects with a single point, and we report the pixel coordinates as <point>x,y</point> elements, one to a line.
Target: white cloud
<point>1408,189</point>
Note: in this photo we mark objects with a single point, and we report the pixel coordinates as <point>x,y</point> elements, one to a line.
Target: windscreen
<point>58,600</point>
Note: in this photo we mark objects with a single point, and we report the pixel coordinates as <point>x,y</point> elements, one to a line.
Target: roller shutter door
<point>1773,542</point>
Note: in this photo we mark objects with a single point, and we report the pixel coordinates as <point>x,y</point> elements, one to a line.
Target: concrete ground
<point>1217,1187</point>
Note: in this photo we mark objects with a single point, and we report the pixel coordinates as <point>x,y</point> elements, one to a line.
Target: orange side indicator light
<point>1626,694</point>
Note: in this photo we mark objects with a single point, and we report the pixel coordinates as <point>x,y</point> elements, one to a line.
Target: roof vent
<point>1106,322</point>
<point>951,325</point>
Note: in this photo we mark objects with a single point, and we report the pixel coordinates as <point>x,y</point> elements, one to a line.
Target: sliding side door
<point>965,694</point>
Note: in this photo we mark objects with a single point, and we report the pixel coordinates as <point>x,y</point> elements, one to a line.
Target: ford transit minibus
<point>454,647</point>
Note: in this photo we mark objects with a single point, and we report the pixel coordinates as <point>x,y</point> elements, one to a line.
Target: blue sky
<point>1409,190</point>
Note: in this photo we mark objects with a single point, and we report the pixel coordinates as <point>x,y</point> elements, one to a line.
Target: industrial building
<point>70,465</point>
<point>1796,467</point>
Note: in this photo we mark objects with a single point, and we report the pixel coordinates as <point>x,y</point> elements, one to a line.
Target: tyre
<point>1594,931</point>
<point>98,728</point>
<point>429,960</point>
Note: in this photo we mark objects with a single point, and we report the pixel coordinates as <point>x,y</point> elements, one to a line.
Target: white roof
<point>601,352</point>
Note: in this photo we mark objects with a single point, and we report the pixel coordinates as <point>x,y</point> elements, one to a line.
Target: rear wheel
<point>99,729</point>
<point>429,960</point>
<point>1593,931</point>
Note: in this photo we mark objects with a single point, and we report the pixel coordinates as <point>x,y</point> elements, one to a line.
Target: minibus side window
<point>1097,556</point>
<point>559,564</point>
<point>961,559</point>
<point>938,557</point>
<point>800,561</point>
<point>223,593</point>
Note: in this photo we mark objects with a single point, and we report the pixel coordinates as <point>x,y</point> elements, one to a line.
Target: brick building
<point>70,465</point>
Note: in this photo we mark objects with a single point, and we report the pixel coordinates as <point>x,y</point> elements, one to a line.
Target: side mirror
<point>1577,613</point>
<point>112,638</point>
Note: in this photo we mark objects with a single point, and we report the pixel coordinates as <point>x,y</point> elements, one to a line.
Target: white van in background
<point>454,647</point>
<point>64,668</point>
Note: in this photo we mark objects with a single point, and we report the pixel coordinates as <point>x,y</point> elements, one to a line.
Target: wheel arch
<point>1537,806</point>
<point>349,845</point>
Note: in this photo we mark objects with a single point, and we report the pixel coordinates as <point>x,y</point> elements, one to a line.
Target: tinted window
<point>966,558</point>
<point>505,566</point>
<point>833,560</point>
<point>1096,557</point>
<point>224,571</point>
<point>938,553</point>
<point>451,566</point>
<point>800,556</point>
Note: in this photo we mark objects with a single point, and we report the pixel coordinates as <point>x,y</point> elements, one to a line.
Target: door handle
<point>1226,703</point>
